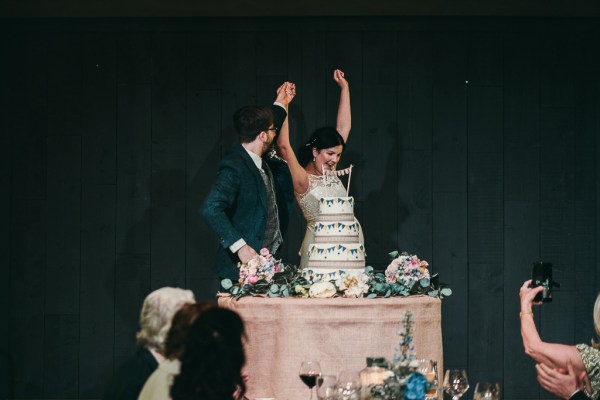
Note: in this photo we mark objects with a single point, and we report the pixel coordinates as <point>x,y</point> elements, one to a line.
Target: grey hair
<point>157,313</point>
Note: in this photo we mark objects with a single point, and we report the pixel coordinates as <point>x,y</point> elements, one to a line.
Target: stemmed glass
<point>309,371</point>
<point>326,387</point>
<point>348,385</point>
<point>487,391</point>
<point>429,369</point>
<point>456,383</point>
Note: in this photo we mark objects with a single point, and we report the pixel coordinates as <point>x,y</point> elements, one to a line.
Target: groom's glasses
<point>272,129</point>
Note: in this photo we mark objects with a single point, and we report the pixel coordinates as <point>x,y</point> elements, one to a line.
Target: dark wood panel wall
<point>475,145</point>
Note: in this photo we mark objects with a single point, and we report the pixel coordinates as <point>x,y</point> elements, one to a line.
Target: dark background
<point>474,141</point>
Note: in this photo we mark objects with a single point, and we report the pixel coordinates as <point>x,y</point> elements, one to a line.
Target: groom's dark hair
<point>249,121</point>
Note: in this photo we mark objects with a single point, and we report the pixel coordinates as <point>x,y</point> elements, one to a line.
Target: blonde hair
<point>157,313</point>
<point>597,320</point>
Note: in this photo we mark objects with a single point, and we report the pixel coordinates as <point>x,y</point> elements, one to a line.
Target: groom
<point>248,205</point>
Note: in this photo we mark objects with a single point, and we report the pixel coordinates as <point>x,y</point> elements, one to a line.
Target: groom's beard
<point>268,148</point>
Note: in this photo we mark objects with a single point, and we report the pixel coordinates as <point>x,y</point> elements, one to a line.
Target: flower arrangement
<point>262,266</point>
<point>406,383</point>
<point>407,275</point>
<point>264,275</point>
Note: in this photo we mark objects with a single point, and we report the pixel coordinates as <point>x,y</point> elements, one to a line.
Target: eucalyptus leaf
<point>394,254</point>
<point>368,269</point>
<point>271,294</point>
<point>235,290</point>
<point>226,284</point>
<point>285,292</point>
<point>274,288</point>
<point>372,295</point>
<point>388,292</point>
<point>424,282</point>
<point>446,291</point>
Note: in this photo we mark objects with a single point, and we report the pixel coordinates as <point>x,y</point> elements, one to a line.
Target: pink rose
<point>252,279</point>
<point>264,252</point>
<point>252,270</point>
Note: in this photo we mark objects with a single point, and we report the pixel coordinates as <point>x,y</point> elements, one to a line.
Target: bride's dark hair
<point>322,138</point>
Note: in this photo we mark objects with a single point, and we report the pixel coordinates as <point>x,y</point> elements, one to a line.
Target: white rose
<point>322,290</point>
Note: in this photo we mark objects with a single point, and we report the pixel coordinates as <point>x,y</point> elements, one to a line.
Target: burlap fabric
<point>338,332</point>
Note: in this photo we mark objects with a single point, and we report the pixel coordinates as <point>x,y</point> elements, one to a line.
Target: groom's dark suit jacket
<point>236,206</point>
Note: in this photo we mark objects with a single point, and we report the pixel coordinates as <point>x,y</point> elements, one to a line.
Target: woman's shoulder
<point>587,349</point>
<point>591,360</point>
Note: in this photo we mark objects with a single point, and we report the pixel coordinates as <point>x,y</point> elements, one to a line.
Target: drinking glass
<point>326,387</point>
<point>309,371</point>
<point>456,383</point>
<point>429,369</point>
<point>347,386</point>
<point>487,391</point>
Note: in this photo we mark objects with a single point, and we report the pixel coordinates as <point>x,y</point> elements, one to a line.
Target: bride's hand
<point>286,93</point>
<point>338,76</point>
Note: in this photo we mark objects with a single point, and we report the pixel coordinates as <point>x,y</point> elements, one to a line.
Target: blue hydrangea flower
<point>416,387</point>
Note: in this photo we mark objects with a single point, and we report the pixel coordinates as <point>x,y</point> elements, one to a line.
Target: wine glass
<point>456,383</point>
<point>348,385</point>
<point>487,391</point>
<point>429,369</point>
<point>309,371</point>
<point>326,387</point>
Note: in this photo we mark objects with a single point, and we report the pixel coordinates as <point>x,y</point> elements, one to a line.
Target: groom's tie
<point>272,238</point>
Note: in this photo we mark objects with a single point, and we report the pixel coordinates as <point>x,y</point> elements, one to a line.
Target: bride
<point>319,154</point>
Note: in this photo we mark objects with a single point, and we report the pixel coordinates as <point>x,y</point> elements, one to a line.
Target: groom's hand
<point>245,253</point>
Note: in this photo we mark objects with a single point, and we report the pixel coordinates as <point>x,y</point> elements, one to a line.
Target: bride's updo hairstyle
<point>322,138</point>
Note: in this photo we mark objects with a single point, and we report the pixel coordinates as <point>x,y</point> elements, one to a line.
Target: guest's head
<point>324,147</point>
<point>212,362</point>
<point>180,326</point>
<point>251,121</point>
<point>156,316</point>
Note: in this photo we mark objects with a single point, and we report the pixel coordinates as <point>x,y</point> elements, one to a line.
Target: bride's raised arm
<point>344,115</point>
<point>299,175</point>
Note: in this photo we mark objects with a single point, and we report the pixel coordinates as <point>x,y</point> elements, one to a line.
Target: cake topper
<point>339,172</point>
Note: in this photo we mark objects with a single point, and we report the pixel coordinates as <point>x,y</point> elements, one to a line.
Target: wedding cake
<point>336,245</point>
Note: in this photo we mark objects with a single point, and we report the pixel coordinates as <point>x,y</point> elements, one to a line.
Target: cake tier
<point>336,231</point>
<point>336,209</point>
<point>325,274</point>
<point>336,256</point>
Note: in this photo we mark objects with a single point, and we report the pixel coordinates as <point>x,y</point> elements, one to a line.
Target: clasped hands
<point>561,383</point>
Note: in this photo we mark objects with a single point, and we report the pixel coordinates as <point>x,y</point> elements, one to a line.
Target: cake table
<point>338,332</point>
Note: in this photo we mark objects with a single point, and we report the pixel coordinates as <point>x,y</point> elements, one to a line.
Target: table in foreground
<point>338,332</point>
